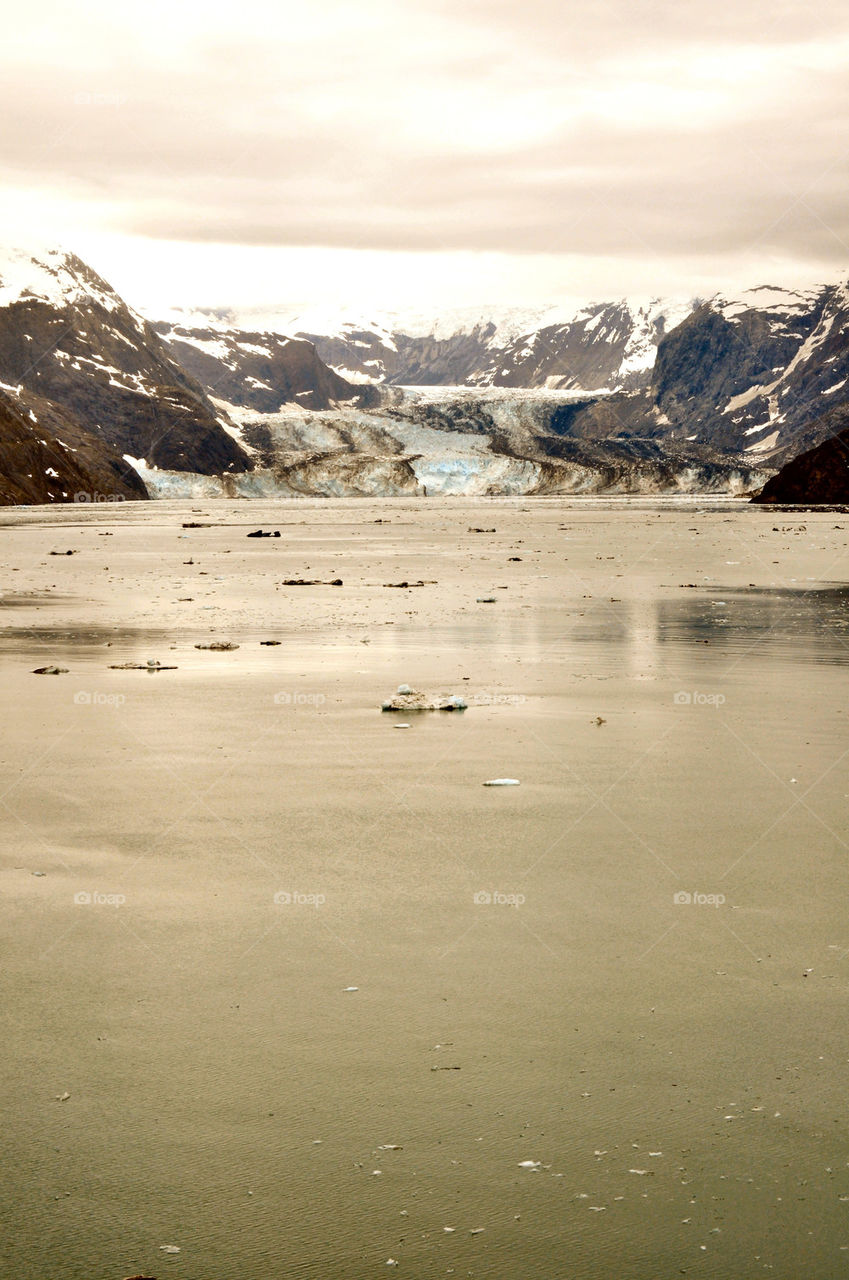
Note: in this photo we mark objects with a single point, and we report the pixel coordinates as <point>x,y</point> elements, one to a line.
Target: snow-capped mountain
<point>757,374</point>
<point>72,352</point>
<point>257,370</point>
<point>604,346</point>
<point>627,396</point>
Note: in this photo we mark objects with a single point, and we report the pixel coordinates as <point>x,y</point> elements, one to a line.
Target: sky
<point>426,153</point>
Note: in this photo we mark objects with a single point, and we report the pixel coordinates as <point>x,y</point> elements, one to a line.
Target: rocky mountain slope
<point>605,346</point>
<point>757,375</point>
<point>72,349</point>
<point>45,457</point>
<point>621,397</point>
<point>820,475</point>
<point>258,370</point>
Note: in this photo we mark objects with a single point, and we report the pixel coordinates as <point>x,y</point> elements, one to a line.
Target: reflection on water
<point>809,625</point>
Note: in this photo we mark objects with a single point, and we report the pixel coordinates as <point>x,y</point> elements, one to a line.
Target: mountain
<point>627,397</point>
<point>750,375</point>
<point>257,370</point>
<point>67,339</point>
<point>820,475</point>
<point>37,466</point>
<point>604,346</point>
<point>757,374</point>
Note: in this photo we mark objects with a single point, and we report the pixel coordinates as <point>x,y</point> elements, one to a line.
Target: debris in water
<point>218,645</point>
<point>139,666</point>
<point>50,671</point>
<point>407,699</point>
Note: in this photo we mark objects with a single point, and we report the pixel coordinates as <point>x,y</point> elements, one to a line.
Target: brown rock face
<point>261,371</point>
<point>819,476</point>
<point>45,458</point>
<point>72,344</point>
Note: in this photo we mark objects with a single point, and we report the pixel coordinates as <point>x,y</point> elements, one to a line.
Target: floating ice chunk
<point>350,988</point>
<point>502,782</point>
<point>62,1097</point>
<point>169,1248</point>
<point>403,689</point>
<point>530,1164</point>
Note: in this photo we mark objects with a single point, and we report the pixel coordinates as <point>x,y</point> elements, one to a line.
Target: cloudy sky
<point>411,152</point>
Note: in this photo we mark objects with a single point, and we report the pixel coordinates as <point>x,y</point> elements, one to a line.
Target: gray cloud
<point>591,127</point>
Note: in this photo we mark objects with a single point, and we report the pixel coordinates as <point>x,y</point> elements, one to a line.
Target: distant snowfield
<point>486,395</point>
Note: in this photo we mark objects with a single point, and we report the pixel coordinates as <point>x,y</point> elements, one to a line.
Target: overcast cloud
<point>522,145</point>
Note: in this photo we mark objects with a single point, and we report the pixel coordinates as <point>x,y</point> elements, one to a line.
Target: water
<point>678,1069</point>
